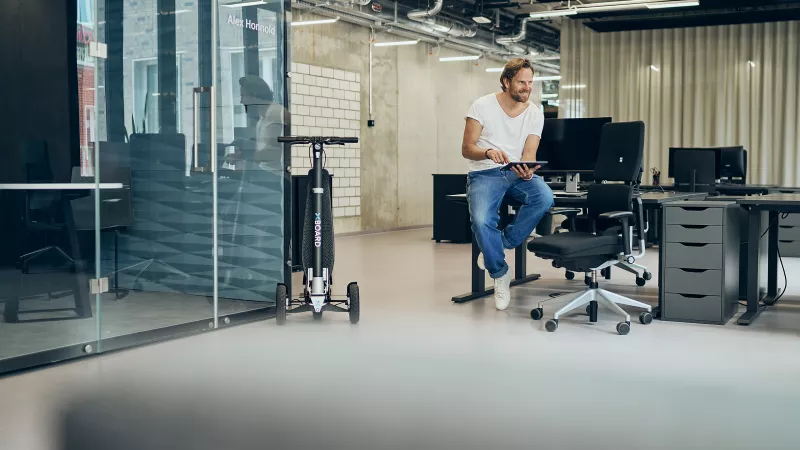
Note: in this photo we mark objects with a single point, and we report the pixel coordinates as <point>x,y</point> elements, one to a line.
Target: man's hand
<point>498,156</point>
<point>525,172</point>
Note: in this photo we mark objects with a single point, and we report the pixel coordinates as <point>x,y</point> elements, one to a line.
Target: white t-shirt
<point>501,132</point>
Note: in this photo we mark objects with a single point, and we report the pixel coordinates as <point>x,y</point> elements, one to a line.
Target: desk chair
<point>42,209</point>
<point>601,248</point>
<point>116,210</point>
<point>620,139</point>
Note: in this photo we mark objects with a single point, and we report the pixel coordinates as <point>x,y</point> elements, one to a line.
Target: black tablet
<point>530,164</point>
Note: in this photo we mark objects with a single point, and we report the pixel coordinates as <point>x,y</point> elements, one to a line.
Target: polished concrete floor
<point>422,372</point>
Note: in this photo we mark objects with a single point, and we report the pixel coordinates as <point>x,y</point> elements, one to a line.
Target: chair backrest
<point>621,152</point>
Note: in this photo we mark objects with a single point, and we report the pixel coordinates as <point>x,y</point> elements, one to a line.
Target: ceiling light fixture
<point>573,86</point>
<point>752,64</point>
<point>654,68</point>
<point>494,69</point>
<point>553,13</point>
<point>245,3</point>
<point>549,96</point>
<point>389,44</point>
<point>549,78</point>
<point>481,19</point>
<point>315,22</point>
<point>459,58</point>
<point>672,5</point>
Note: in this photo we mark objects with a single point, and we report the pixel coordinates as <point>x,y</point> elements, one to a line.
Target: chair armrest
<point>564,211</point>
<point>616,215</point>
<point>624,217</point>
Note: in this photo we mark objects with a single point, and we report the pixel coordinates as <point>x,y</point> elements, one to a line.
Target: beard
<point>520,96</point>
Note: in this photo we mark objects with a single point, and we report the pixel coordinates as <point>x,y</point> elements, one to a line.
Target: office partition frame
<point>259,309</point>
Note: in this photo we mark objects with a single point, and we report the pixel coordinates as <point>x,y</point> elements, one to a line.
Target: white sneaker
<point>481,264</point>
<point>502,291</point>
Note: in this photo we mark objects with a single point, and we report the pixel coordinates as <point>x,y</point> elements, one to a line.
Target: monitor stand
<point>573,181</point>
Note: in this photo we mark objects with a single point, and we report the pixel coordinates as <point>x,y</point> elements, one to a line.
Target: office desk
<point>774,204</point>
<point>651,200</point>
<point>83,307</point>
<point>479,289</point>
<point>744,189</point>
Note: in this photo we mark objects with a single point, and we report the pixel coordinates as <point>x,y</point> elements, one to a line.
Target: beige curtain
<point>714,86</point>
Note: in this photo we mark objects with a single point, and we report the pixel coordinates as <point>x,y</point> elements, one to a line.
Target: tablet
<point>530,164</point>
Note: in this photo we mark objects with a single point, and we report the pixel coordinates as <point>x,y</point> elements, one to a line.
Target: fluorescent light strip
<point>553,13</point>
<point>459,58</point>
<point>315,22</point>
<point>494,69</point>
<point>552,78</point>
<point>672,5</point>
<point>389,44</point>
<point>752,64</point>
<point>243,4</point>
<point>655,68</point>
<point>544,96</point>
<point>573,86</point>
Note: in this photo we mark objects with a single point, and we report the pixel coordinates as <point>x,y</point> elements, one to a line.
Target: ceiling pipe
<point>439,24</point>
<point>505,40</point>
<point>412,29</point>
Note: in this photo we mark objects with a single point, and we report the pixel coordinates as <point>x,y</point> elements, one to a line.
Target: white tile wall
<point>327,101</point>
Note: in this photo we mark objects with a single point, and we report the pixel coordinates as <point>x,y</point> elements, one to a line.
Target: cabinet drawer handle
<point>693,295</point>
<point>785,242</point>
<point>695,270</point>
<point>693,208</point>
<point>692,244</point>
<point>695,227</point>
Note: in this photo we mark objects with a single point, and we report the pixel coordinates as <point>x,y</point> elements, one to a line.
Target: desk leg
<point>753,243</point>
<point>772,259</point>
<point>83,307</point>
<point>479,275</point>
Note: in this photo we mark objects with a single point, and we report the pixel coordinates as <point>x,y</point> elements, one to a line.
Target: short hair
<point>512,68</point>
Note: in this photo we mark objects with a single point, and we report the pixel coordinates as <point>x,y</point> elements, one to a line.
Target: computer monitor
<point>694,169</point>
<point>570,146</point>
<point>733,161</point>
<point>717,159</point>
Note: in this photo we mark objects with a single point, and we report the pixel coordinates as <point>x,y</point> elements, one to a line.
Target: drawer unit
<point>789,235</point>
<point>700,261</point>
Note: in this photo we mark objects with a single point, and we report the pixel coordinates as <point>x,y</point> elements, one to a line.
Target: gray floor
<point>421,372</point>
<point>137,312</point>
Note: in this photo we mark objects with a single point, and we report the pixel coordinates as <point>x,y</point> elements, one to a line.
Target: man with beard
<point>504,127</point>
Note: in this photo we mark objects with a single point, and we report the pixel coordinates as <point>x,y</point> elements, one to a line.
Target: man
<point>504,127</point>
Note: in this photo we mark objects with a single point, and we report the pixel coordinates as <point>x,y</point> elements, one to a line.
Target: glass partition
<point>173,208</point>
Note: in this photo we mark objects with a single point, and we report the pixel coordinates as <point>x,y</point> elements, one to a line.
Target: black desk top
<point>648,198</point>
<point>771,201</point>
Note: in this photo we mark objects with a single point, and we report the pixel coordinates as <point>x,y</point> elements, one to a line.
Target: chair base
<point>593,297</point>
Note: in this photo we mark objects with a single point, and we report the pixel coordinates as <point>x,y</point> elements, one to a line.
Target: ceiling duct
<point>505,40</point>
<point>441,25</point>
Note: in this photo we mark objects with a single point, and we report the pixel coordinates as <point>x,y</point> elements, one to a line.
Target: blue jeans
<point>485,192</point>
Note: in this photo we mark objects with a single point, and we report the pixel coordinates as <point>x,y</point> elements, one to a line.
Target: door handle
<point>196,167</point>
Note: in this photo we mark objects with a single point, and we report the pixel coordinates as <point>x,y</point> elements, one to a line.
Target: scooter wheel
<point>280,304</point>
<point>355,305</point>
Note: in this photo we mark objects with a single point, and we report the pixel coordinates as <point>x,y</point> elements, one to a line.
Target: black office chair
<point>43,209</point>
<point>612,138</point>
<point>600,248</point>
<point>116,210</point>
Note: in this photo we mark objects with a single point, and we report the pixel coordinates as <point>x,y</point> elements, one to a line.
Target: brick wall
<point>327,102</point>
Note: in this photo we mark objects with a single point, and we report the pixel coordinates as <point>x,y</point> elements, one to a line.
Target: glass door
<point>189,106</point>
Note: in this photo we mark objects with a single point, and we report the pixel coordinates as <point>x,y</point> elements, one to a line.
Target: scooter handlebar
<point>328,140</point>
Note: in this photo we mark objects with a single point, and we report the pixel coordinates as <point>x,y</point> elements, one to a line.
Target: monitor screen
<point>733,161</point>
<point>570,144</point>
<point>717,159</point>
<point>701,162</point>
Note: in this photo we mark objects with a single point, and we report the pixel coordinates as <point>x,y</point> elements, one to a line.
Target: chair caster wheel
<point>623,328</point>
<point>537,314</point>
<point>640,281</point>
<point>645,318</point>
<point>551,325</point>
<point>569,275</point>
<point>588,310</point>
<point>647,276</point>
<point>587,281</point>
<point>317,315</point>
